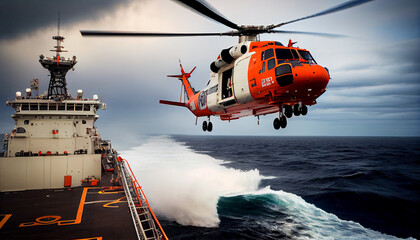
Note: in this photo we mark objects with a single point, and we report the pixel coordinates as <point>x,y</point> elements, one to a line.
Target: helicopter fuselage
<point>262,80</point>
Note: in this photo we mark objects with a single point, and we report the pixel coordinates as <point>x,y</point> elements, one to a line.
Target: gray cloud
<point>20,17</point>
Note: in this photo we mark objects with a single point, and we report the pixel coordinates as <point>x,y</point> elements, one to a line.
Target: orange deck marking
<point>116,201</point>
<point>4,220</point>
<point>81,205</point>
<point>114,192</point>
<point>94,238</point>
<point>48,220</point>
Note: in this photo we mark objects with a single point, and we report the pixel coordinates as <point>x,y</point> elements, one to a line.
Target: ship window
<point>269,53</point>
<point>86,107</point>
<point>20,130</point>
<point>271,64</point>
<point>283,53</point>
<point>26,122</point>
<point>25,106</point>
<point>43,106</point>
<point>263,67</point>
<point>307,56</point>
<point>83,121</point>
<point>278,44</point>
<point>61,107</point>
<point>79,107</point>
<point>33,106</point>
<point>52,107</point>
<point>70,107</point>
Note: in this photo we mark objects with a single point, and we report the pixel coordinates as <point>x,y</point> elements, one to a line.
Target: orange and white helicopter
<point>254,77</point>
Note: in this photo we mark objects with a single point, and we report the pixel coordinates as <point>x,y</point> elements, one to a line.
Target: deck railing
<point>144,219</point>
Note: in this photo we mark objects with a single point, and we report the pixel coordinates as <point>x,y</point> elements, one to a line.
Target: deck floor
<point>74,213</point>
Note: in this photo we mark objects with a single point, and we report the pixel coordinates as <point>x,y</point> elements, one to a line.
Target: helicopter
<point>253,77</point>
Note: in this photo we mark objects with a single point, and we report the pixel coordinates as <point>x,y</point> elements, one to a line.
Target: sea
<point>281,187</point>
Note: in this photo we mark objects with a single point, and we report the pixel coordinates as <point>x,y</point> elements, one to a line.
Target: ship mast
<point>58,67</point>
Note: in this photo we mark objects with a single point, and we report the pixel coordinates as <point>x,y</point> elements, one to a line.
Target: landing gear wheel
<point>283,121</point>
<point>209,127</point>
<point>296,110</point>
<point>304,110</point>
<point>288,111</point>
<point>276,124</point>
<point>204,126</point>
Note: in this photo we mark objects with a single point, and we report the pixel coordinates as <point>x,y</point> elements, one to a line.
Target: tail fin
<point>184,78</point>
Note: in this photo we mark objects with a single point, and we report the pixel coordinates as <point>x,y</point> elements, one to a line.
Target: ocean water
<point>212,187</point>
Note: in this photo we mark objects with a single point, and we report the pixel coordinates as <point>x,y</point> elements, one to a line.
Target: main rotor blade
<point>331,35</point>
<point>346,5</point>
<point>201,6</point>
<point>87,33</point>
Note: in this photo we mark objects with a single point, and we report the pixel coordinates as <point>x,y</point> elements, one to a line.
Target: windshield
<point>307,56</point>
<point>283,53</point>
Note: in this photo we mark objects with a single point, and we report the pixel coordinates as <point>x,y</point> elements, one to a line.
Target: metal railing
<point>144,219</point>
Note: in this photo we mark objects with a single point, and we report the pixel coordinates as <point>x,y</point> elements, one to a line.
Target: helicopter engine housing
<point>227,56</point>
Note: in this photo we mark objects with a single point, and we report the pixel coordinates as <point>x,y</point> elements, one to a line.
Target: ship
<point>58,178</point>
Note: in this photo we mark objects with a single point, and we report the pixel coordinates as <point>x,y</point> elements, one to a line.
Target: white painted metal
<point>45,172</point>
<point>240,79</point>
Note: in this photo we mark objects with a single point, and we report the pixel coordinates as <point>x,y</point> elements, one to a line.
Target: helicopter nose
<point>325,77</point>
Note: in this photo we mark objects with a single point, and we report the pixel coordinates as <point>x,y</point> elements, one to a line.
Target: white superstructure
<point>54,137</point>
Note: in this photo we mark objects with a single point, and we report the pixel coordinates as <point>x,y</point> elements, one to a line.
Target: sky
<point>375,69</point>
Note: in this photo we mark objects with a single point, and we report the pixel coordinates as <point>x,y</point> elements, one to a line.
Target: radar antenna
<point>58,67</point>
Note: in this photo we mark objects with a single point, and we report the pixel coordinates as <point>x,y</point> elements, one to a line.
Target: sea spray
<point>196,189</point>
<point>183,185</point>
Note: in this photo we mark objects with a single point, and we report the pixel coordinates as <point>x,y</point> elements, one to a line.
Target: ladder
<point>143,217</point>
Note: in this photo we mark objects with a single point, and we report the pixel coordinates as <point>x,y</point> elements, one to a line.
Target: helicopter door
<point>227,84</point>
<point>227,88</point>
<point>240,80</point>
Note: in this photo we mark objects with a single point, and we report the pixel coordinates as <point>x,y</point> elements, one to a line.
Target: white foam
<point>183,185</point>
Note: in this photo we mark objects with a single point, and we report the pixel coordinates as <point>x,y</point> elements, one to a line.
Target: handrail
<point>137,186</point>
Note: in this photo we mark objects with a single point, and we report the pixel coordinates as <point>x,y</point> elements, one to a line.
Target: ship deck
<point>72,213</point>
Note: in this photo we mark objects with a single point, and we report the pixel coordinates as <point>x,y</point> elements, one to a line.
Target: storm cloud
<point>20,17</point>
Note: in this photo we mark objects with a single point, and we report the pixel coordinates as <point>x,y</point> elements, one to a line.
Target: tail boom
<point>179,104</point>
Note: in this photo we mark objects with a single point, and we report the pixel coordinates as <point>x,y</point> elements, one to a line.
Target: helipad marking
<point>116,201</point>
<point>4,220</point>
<point>94,238</point>
<point>48,220</point>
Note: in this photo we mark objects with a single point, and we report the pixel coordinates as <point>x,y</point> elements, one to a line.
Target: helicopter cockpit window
<point>307,56</point>
<point>269,53</point>
<point>283,53</point>
<point>295,54</point>
<point>271,64</point>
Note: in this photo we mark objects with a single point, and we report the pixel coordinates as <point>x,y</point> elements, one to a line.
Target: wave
<point>183,185</point>
<point>288,216</point>
<point>196,189</point>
